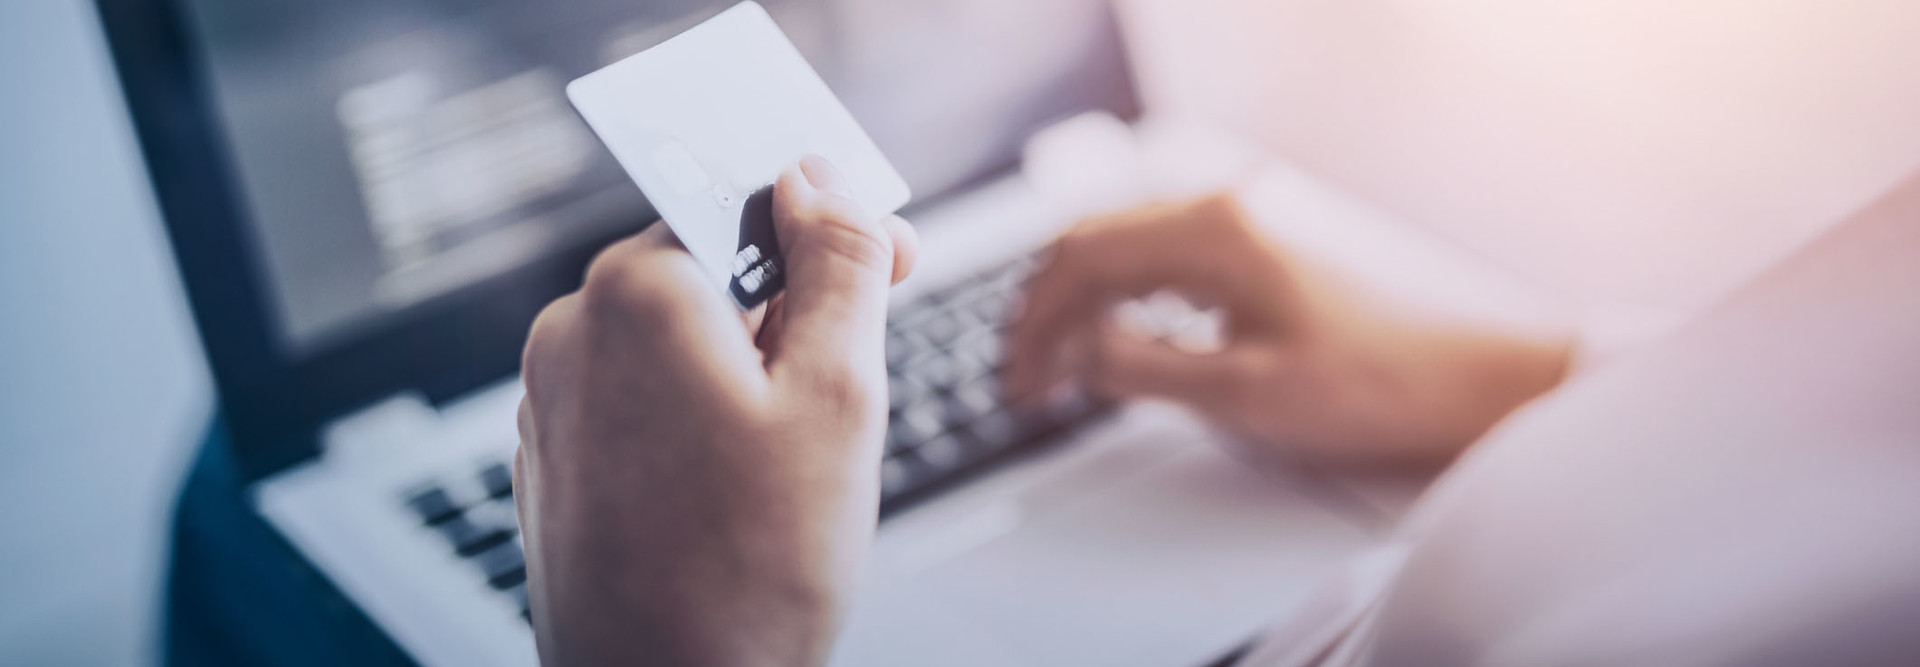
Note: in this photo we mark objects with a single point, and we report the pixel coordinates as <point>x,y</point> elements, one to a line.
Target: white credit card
<point>707,120</point>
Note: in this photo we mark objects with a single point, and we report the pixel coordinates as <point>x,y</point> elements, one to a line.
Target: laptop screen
<point>392,152</point>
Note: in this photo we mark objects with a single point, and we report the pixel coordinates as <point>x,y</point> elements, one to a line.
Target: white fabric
<point>1745,491</point>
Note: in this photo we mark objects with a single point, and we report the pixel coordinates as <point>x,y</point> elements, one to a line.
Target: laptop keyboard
<point>483,530</point>
<point>947,421</point>
<point>947,416</point>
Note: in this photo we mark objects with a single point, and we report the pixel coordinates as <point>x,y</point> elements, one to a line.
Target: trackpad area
<point>1146,546</point>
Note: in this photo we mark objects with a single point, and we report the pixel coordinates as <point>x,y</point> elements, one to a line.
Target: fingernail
<point>823,175</point>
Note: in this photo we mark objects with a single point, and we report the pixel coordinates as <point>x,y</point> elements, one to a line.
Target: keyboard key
<point>982,347</point>
<point>904,391</point>
<point>946,409</point>
<point>918,423</point>
<point>906,473</point>
<point>943,453</point>
<point>903,347</point>
<point>942,328</point>
<point>433,505</point>
<point>980,396</point>
<point>908,317</point>
<point>896,475</point>
<point>1002,428</point>
<point>991,307</point>
<point>958,411</point>
<point>504,565</point>
<point>899,440</point>
<point>497,478</point>
<point>469,538</point>
<point>941,370</point>
<point>513,577</point>
<point>966,367</point>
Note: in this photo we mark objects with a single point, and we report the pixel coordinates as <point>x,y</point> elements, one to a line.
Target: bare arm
<point>699,490</point>
<point>1310,363</point>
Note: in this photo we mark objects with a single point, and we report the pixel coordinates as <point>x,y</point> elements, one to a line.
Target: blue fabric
<point>239,594</point>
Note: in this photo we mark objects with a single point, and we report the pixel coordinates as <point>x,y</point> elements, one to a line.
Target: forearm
<point>659,595</point>
<point>685,620</point>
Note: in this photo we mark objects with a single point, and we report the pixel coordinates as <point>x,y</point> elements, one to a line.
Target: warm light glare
<point>1637,150</point>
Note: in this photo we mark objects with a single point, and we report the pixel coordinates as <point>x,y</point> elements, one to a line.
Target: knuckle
<point>1223,211</point>
<point>1071,246</point>
<point>608,276</point>
<point>521,490</point>
<point>523,420</point>
<point>1071,242</point>
<point>1219,202</point>
<point>1085,231</point>
<point>627,284</point>
<point>839,233</point>
<point>544,338</point>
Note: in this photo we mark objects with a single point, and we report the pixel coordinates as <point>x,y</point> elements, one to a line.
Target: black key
<point>968,367</point>
<point>498,480</point>
<point>910,316</point>
<point>433,505</point>
<point>959,410</point>
<point>902,347</point>
<point>983,347</point>
<point>955,300</point>
<point>893,475</point>
<point>1003,428</point>
<point>469,538</point>
<point>939,371</point>
<point>915,425</point>
<point>1014,271</point>
<point>902,473</point>
<point>503,564</point>
<point>984,390</point>
<point>943,453</point>
<point>513,577</point>
<point>903,392</point>
<point>980,396</point>
<point>898,439</point>
<point>991,308</point>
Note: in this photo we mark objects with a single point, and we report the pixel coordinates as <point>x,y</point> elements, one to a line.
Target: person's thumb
<point>839,262</point>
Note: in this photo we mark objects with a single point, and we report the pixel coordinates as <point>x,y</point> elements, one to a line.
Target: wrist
<point>1511,371</point>
<point>715,595</point>
<point>690,616</point>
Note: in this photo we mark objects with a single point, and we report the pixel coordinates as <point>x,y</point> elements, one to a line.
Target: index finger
<point>1096,264</point>
<point>647,296</point>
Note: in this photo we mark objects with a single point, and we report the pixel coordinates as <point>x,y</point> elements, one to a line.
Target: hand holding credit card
<point>705,122</point>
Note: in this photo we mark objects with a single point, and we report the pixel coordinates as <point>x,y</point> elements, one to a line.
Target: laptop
<point>371,199</point>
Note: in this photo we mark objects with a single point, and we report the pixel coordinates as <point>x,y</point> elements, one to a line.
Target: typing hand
<point>695,487</point>
<point>1308,363</point>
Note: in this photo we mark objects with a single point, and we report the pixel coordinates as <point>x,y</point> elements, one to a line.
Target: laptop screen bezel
<point>274,407</point>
